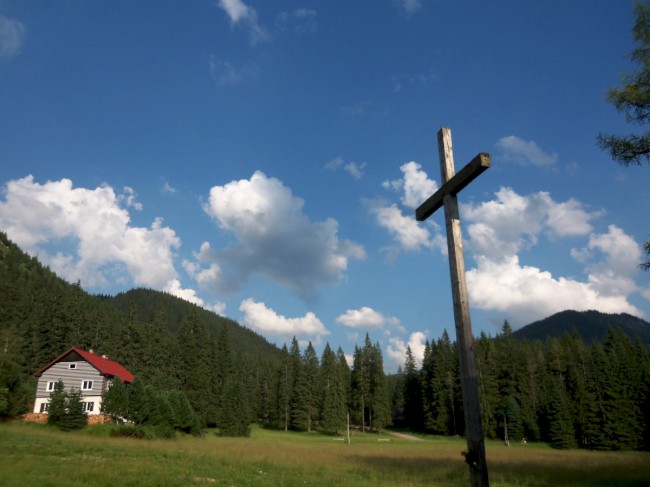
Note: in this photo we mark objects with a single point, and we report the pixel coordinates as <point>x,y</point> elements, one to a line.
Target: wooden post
<point>451,184</point>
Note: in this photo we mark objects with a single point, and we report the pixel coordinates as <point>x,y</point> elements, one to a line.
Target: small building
<point>82,371</point>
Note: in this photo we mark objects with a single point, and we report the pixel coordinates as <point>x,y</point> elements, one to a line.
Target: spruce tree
<point>74,417</point>
<point>57,408</point>
<point>237,423</point>
<point>413,407</point>
<point>116,402</point>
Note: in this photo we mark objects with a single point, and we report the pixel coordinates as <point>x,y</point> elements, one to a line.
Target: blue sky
<point>264,159</point>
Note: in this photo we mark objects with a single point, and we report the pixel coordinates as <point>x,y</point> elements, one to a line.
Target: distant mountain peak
<point>591,325</point>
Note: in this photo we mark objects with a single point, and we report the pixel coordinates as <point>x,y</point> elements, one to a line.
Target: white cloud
<point>266,321</point>
<point>396,350</point>
<point>240,13</point>
<point>410,235</point>
<point>12,35</point>
<point>519,151</point>
<point>128,198</point>
<point>368,319</point>
<point>524,293</point>
<point>95,226</point>
<point>406,230</point>
<point>512,222</point>
<point>275,238</point>
<point>417,185</point>
<point>501,228</point>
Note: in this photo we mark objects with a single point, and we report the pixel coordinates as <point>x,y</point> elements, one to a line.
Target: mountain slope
<point>591,325</point>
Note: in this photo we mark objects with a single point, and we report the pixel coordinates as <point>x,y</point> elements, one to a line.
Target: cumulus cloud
<point>12,35</point>
<point>525,153</point>
<point>511,222</point>
<point>525,293</point>
<point>275,238</point>
<point>241,14</point>
<point>415,183</point>
<point>104,242</point>
<point>266,321</point>
<point>416,187</point>
<point>396,349</point>
<point>500,229</point>
<point>368,319</point>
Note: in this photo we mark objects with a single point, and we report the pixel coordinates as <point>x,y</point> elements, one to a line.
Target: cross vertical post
<point>452,183</point>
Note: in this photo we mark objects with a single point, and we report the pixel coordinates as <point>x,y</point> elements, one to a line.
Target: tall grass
<point>35,455</point>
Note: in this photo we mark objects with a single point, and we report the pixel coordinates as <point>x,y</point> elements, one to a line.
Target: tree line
<point>563,391</point>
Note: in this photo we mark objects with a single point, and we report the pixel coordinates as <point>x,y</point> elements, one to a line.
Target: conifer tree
<point>116,402</point>
<point>57,408</point>
<point>237,423</point>
<point>74,417</point>
<point>305,404</point>
<point>333,409</point>
<point>413,407</point>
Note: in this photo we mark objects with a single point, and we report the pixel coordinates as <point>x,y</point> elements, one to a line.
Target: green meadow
<point>37,455</point>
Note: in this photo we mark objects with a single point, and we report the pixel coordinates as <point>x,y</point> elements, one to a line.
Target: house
<point>80,370</point>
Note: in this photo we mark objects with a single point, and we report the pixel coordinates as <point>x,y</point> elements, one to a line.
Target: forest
<point>196,370</point>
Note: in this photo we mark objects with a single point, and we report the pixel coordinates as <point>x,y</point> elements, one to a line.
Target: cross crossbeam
<point>455,185</point>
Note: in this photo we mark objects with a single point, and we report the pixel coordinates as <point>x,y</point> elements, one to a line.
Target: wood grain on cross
<point>451,184</point>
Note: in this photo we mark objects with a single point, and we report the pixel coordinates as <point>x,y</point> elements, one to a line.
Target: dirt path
<point>405,436</point>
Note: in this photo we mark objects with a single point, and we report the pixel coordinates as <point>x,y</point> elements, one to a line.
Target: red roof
<point>104,365</point>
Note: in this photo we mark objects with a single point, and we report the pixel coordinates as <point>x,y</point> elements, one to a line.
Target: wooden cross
<point>446,195</point>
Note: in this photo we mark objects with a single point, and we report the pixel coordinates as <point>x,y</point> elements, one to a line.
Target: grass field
<point>37,455</point>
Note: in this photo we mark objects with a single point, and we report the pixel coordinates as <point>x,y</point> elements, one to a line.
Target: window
<point>50,386</point>
<point>72,365</point>
<point>88,406</point>
<point>45,407</point>
<point>86,385</point>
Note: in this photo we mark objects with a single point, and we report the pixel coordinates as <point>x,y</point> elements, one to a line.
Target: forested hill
<point>164,341</point>
<point>142,302</point>
<point>590,325</point>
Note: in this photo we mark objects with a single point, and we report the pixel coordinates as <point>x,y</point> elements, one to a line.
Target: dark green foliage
<point>66,409</point>
<point>306,392</point>
<point>371,407</point>
<point>57,408</point>
<point>74,417</point>
<point>590,325</point>
<point>116,402</point>
<point>332,383</point>
<point>413,407</point>
<point>237,422</point>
